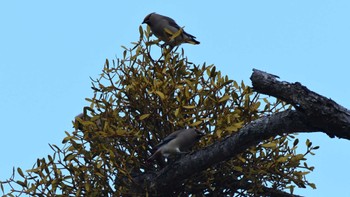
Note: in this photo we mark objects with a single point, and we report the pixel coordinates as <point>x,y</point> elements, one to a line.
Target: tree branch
<point>172,175</point>
<point>321,112</point>
<point>314,113</point>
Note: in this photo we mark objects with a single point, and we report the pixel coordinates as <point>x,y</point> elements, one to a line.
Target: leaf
<point>241,158</point>
<point>282,159</point>
<point>308,143</point>
<point>312,185</point>
<point>296,141</point>
<point>266,101</point>
<point>298,157</point>
<point>238,168</point>
<point>144,116</point>
<point>21,183</point>
<point>107,64</point>
<point>121,132</point>
<point>87,186</point>
<point>99,164</point>
<point>234,127</point>
<point>212,73</point>
<point>69,157</point>
<point>168,31</point>
<point>99,174</point>
<point>174,35</point>
<point>242,85</point>
<point>208,69</point>
<point>269,145</point>
<point>255,106</point>
<point>189,106</point>
<point>20,172</point>
<point>235,84</point>
<point>160,94</point>
<point>188,82</point>
<point>305,165</point>
<point>141,31</point>
<point>66,139</point>
<point>304,173</point>
<point>227,82</point>
<point>187,92</point>
<point>224,98</point>
<point>196,123</point>
<point>124,47</point>
<point>177,111</point>
<point>69,137</point>
<point>218,133</point>
<point>291,188</point>
<point>35,170</point>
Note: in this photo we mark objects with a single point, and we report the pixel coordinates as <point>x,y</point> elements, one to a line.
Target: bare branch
<point>314,113</point>
<point>321,112</point>
<point>250,135</point>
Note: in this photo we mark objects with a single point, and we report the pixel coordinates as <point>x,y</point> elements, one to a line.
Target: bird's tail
<point>193,41</point>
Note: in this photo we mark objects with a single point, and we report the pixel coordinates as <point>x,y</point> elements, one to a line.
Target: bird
<point>177,142</point>
<point>165,29</point>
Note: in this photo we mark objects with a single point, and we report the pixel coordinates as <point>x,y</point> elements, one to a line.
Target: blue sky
<point>48,51</point>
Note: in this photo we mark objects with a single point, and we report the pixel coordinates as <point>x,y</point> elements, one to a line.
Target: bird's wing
<point>172,22</point>
<point>189,35</point>
<point>165,141</point>
<point>168,138</point>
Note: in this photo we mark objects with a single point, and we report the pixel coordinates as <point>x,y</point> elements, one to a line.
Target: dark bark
<point>314,113</point>
<point>320,112</point>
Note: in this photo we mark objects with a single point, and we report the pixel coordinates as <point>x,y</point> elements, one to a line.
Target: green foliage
<point>137,101</point>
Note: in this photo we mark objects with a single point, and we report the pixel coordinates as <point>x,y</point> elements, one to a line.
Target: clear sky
<point>48,51</point>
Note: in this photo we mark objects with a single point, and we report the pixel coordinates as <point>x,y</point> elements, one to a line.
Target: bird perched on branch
<point>177,142</point>
<point>167,30</point>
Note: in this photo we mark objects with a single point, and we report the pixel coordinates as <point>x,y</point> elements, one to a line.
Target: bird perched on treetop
<point>177,143</point>
<point>166,29</point>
